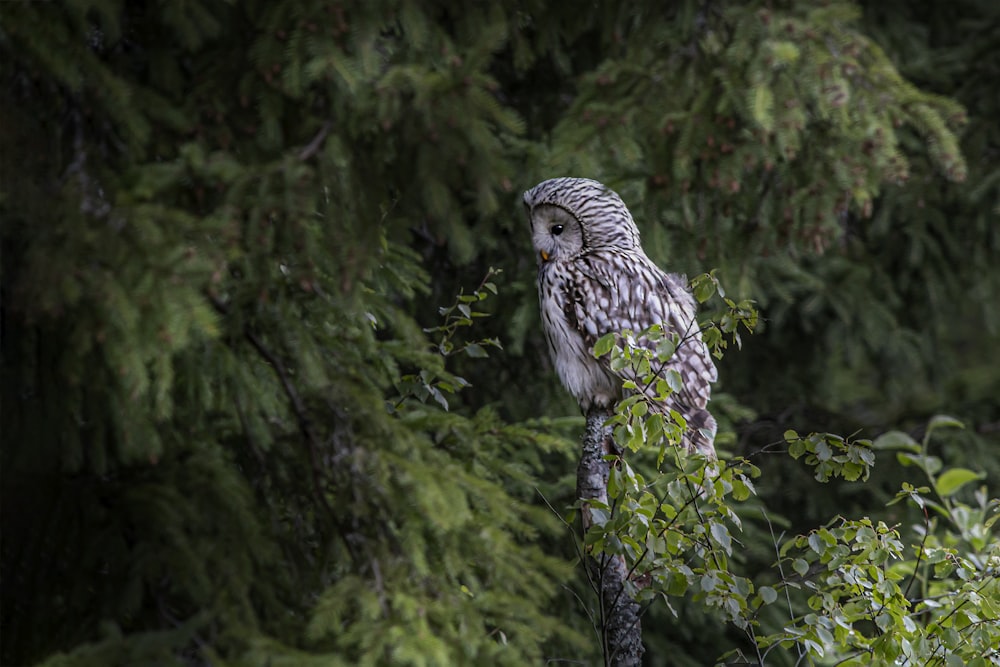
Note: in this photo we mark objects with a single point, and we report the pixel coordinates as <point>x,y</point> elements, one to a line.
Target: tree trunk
<point>621,632</point>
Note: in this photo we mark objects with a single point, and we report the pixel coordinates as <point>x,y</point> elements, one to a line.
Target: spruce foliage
<point>267,402</point>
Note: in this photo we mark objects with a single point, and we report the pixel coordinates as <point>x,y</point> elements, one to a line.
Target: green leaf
<point>943,421</point>
<point>438,396</point>
<point>722,537</point>
<point>930,464</point>
<point>677,584</point>
<point>823,451</point>
<point>598,516</point>
<point>896,440</point>
<point>703,288</point>
<point>604,344</point>
<point>797,448</point>
<point>674,380</point>
<point>741,490</point>
<point>665,349</point>
<point>852,471</point>
<point>954,479</point>
<point>768,594</point>
<point>475,350</point>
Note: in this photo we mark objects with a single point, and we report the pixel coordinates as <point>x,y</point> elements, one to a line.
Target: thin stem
<point>920,553</point>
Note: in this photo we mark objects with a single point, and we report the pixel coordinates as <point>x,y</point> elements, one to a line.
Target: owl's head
<point>571,216</point>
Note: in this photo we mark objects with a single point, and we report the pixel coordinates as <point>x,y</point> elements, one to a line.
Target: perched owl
<point>593,279</point>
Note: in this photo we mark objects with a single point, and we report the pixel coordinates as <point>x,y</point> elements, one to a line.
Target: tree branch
<point>620,614</point>
<point>298,405</point>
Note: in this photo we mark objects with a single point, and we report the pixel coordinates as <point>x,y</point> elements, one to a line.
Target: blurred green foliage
<point>245,417</point>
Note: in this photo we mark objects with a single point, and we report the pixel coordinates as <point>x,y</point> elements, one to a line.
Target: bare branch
<point>317,142</point>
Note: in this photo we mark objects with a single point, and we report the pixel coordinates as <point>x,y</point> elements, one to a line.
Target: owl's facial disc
<point>555,232</point>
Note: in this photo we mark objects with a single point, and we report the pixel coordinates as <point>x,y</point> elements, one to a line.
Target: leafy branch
<point>845,584</point>
<point>434,383</point>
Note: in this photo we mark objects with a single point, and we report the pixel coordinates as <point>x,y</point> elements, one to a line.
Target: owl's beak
<point>545,255</point>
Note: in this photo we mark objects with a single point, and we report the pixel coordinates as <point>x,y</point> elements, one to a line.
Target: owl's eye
<point>557,229</point>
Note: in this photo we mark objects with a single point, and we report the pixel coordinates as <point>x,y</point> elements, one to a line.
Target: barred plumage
<point>593,279</point>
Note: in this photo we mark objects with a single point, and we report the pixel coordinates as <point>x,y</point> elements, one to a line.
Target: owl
<point>594,279</point>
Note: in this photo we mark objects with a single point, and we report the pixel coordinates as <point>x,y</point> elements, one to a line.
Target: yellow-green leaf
<point>954,479</point>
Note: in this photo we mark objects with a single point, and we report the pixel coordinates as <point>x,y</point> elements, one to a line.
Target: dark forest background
<point>232,433</point>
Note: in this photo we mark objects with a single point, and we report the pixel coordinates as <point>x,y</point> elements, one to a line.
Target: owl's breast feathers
<point>613,290</point>
<point>562,296</point>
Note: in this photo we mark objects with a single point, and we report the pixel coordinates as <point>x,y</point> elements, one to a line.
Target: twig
<point>313,146</point>
<point>784,581</point>
<point>380,587</point>
<point>576,545</point>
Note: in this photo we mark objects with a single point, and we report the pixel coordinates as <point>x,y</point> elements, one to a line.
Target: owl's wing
<point>635,295</point>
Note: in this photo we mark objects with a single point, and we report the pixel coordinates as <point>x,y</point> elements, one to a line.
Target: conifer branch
<point>298,405</point>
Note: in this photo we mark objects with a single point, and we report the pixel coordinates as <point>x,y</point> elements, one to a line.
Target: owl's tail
<point>700,435</point>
